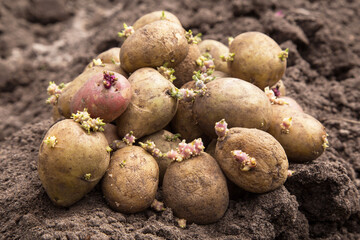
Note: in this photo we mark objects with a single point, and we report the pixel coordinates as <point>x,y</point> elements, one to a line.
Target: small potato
<point>220,74</point>
<point>242,105</point>
<point>184,71</point>
<point>155,16</point>
<point>184,122</point>
<point>154,45</point>
<point>164,141</point>
<point>303,137</point>
<point>271,164</point>
<point>71,88</point>
<point>151,107</point>
<point>110,56</point>
<point>215,49</point>
<point>195,189</point>
<point>257,59</point>
<point>72,167</point>
<point>131,181</point>
<point>292,103</point>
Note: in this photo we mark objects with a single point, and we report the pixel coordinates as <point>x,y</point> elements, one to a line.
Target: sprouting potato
<point>257,58</point>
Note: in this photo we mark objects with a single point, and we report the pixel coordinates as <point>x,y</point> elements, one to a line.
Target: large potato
<point>195,189</point>
<point>271,161</point>
<point>131,181</point>
<point>154,45</point>
<point>239,102</point>
<point>151,107</point>
<point>216,49</point>
<point>304,140</point>
<point>74,165</point>
<point>155,16</point>
<point>256,59</point>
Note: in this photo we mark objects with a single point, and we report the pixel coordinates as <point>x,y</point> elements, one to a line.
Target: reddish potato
<point>71,88</point>
<point>105,95</point>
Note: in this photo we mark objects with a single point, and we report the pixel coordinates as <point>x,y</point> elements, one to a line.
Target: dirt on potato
<point>53,40</point>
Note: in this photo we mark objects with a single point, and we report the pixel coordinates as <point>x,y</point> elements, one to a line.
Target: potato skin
<point>256,59</point>
<point>239,102</point>
<point>305,139</point>
<point>155,16</point>
<point>186,68</point>
<point>131,181</point>
<point>154,45</point>
<point>216,49</point>
<point>62,168</point>
<point>272,164</point>
<point>151,107</point>
<point>195,189</point>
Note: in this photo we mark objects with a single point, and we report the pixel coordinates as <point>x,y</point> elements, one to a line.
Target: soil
<point>53,40</point>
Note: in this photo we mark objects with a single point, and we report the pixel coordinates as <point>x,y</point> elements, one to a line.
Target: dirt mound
<point>39,44</point>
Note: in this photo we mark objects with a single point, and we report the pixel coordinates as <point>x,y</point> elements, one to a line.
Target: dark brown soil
<point>53,40</point>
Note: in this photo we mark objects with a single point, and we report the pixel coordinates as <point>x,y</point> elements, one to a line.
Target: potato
<point>71,88</point>
<point>271,162</point>
<point>155,16</point>
<point>184,122</point>
<point>131,181</point>
<point>151,107</point>
<point>215,49</point>
<point>220,74</point>
<point>74,165</point>
<point>239,102</point>
<point>256,59</point>
<point>110,56</point>
<point>195,189</point>
<point>186,68</point>
<point>164,141</point>
<point>304,138</point>
<point>292,103</point>
<point>210,149</point>
<point>154,45</point>
<point>105,95</point>
<point>110,133</point>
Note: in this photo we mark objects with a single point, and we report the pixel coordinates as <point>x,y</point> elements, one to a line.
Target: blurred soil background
<point>53,40</point>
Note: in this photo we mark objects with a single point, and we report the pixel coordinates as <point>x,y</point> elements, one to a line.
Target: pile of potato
<point>138,119</point>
